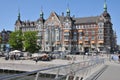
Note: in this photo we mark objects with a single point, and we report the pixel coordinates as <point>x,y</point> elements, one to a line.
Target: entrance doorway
<point>86,49</point>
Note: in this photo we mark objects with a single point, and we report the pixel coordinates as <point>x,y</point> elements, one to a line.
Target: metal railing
<point>72,71</point>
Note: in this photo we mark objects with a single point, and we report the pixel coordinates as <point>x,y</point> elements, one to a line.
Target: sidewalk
<point>78,58</point>
<point>111,73</point>
<point>30,65</point>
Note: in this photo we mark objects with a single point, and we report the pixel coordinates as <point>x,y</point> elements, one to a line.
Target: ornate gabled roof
<point>18,22</point>
<point>106,14</point>
<point>53,18</point>
<point>61,18</point>
<point>41,20</point>
<point>28,23</point>
<point>25,23</point>
<point>52,13</point>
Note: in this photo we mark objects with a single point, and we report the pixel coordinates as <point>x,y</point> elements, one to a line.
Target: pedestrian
<point>115,58</point>
<point>36,60</point>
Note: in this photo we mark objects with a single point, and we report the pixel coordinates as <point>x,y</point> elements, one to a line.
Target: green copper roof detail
<point>19,15</point>
<point>105,6</point>
<point>41,14</point>
<point>68,12</point>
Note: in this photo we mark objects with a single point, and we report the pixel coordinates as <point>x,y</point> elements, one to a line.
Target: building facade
<point>63,32</point>
<point>4,38</point>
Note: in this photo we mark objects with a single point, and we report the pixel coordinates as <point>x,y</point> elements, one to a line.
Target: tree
<point>15,40</point>
<point>30,41</point>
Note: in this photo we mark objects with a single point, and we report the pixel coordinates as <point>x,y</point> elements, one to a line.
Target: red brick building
<point>63,32</point>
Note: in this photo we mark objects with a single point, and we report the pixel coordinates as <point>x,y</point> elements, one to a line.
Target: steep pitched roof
<point>81,20</point>
<point>53,14</point>
<point>86,20</point>
<point>61,18</point>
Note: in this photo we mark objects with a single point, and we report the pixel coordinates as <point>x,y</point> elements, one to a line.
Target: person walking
<point>36,60</point>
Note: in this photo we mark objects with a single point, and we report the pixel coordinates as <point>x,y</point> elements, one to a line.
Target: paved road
<point>111,73</point>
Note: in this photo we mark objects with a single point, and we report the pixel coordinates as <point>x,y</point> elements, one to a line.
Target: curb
<point>95,75</point>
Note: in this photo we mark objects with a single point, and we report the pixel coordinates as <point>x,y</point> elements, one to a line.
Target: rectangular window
<point>81,33</point>
<point>80,38</point>
<point>58,38</point>
<point>75,38</point>
<point>100,37</point>
<point>93,32</point>
<point>100,31</point>
<point>87,33</point>
<point>76,27</point>
<point>66,37</point>
<point>92,38</point>
<point>66,33</point>
<point>86,38</point>
<point>81,26</point>
<point>100,25</point>
<point>75,33</point>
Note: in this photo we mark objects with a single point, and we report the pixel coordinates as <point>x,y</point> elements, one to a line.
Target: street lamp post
<point>90,46</point>
<point>109,48</point>
<point>70,41</point>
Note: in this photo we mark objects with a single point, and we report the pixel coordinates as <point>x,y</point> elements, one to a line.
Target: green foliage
<point>30,41</point>
<point>15,40</point>
<point>26,40</point>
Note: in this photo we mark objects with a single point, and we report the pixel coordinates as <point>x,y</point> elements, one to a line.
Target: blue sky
<point>30,10</point>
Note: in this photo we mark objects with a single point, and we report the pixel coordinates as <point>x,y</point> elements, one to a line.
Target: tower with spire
<point>19,16</point>
<point>18,21</point>
<point>41,14</point>
<point>68,12</point>
<point>105,6</point>
<point>105,12</point>
<point>108,31</point>
<point>41,19</point>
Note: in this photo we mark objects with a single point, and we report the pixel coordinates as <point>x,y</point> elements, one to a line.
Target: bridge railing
<point>84,72</point>
<point>72,71</point>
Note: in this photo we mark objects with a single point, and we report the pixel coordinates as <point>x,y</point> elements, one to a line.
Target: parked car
<point>43,57</point>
